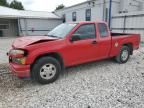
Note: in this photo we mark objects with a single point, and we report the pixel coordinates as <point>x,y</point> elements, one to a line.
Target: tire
<point>121,58</point>
<point>46,70</point>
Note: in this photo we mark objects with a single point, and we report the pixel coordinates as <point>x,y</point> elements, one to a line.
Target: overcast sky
<point>46,5</point>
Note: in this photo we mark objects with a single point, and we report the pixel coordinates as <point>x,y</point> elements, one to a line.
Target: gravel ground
<point>5,45</point>
<point>103,84</point>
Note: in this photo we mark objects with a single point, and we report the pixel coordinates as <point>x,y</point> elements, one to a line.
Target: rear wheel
<point>46,70</point>
<point>123,55</point>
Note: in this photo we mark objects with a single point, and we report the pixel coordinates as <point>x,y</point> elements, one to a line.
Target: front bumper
<point>21,71</point>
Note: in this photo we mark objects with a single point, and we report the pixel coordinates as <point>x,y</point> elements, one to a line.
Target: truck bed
<point>123,38</point>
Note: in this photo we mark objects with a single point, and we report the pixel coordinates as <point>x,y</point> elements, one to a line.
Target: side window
<point>86,31</point>
<point>103,30</point>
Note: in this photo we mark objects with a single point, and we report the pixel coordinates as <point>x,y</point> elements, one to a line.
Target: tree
<point>16,5</point>
<point>4,3</point>
<point>60,7</point>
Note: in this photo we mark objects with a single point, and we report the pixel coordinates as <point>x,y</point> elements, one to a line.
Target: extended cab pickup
<point>44,57</point>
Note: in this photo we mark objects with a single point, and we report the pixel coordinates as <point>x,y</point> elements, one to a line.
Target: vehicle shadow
<point>86,67</point>
<point>8,80</point>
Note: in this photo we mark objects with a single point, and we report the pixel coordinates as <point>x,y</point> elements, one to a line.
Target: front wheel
<point>46,70</point>
<point>123,55</point>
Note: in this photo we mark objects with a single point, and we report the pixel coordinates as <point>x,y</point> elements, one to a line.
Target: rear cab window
<point>103,30</point>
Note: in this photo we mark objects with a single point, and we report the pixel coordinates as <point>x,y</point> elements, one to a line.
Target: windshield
<point>62,30</point>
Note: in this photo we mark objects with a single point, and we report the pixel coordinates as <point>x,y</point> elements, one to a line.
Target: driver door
<point>83,49</point>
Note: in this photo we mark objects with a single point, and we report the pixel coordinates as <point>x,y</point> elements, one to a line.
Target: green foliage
<point>4,3</point>
<point>60,7</point>
<point>16,5</point>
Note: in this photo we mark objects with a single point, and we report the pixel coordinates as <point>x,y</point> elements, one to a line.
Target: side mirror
<point>75,37</point>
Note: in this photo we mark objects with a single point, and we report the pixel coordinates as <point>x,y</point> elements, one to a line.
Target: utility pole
<point>110,12</point>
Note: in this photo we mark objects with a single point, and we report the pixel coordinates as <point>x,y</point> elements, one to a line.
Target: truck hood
<point>28,40</point>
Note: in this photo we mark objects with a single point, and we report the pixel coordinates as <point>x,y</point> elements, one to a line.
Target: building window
<point>64,18</point>
<point>4,26</point>
<point>74,16</point>
<point>88,14</point>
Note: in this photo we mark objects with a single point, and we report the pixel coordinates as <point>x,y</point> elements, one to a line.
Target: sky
<point>46,5</point>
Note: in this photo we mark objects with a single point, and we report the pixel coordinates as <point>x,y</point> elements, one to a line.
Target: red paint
<point>20,70</point>
<point>72,53</point>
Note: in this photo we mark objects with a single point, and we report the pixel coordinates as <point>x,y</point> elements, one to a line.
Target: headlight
<point>17,53</point>
<point>18,56</point>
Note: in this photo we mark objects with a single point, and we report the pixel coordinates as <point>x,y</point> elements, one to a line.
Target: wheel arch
<point>55,55</point>
<point>130,45</point>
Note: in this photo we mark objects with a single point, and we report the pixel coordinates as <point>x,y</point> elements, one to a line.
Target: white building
<point>20,23</point>
<point>126,15</point>
<point>98,9</point>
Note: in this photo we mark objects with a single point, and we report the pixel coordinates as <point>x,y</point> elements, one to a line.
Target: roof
<point>97,21</point>
<point>76,5</point>
<point>6,12</point>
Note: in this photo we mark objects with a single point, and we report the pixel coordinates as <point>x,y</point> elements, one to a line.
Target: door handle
<point>94,42</point>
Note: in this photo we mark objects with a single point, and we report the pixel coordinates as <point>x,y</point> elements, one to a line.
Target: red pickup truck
<point>43,58</point>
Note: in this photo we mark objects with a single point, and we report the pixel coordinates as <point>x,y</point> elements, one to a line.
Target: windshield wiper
<point>54,36</point>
